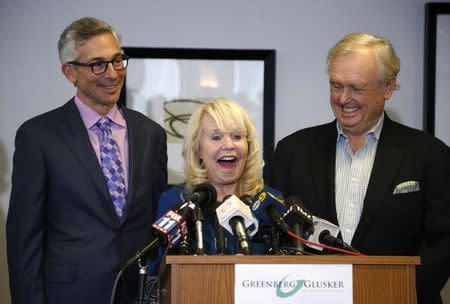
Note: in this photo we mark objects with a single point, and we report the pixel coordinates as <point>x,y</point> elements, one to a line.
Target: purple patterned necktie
<point>112,166</point>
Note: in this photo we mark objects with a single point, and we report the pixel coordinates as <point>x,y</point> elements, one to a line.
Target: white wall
<point>300,31</point>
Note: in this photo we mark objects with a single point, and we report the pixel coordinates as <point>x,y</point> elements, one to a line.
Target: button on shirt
<point>352,177</point>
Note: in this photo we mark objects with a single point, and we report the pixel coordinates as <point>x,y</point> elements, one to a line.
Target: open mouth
<point>227,162</point>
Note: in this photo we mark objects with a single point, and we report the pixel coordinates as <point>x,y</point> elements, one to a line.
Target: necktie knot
<point>104,124</point>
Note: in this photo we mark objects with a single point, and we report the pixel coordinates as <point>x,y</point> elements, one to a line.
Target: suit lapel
<point>135,152</point>
<point>325,163</point>
<point>387,161</point>
<point>77,138</point>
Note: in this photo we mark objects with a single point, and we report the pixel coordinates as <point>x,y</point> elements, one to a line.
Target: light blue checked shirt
<point>352,177</point>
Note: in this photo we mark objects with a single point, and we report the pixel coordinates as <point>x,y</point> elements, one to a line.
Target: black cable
<point>113,292</point>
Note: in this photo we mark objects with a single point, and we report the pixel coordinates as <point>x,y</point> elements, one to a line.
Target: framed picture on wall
<point>168,84</point>
<point>437,71</point>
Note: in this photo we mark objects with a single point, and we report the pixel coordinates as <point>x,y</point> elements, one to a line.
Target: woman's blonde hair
<point>229,116</point>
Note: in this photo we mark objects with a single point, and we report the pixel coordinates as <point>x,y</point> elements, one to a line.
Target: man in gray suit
<point>386,185</point>
<point>86,178</point>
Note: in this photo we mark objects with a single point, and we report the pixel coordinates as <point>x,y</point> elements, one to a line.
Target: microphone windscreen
<point>204,194</point>
<point>246,199</point>
<point>172,226</point>
<point>232,207</point>
<point>262,202</point>
<point>321,225</point>
<point>297,212</point>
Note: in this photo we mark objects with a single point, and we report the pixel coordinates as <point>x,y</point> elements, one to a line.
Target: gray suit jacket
<point>413,223</point>
<point>65,241</point>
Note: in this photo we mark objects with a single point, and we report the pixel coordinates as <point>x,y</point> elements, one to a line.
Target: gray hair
<point>80,31</point>
<point>387,60</point>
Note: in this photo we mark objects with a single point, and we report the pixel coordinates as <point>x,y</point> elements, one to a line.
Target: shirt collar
<point>90,116</point>
<point>375,130</point>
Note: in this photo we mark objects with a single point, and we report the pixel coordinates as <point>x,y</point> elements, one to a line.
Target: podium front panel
<point>210,279</point>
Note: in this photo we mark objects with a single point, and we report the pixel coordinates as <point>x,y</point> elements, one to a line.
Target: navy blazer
<point>414,223</point>
<point>65,241</point>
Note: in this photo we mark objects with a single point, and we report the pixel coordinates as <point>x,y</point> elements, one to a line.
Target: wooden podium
<point>210,279</point>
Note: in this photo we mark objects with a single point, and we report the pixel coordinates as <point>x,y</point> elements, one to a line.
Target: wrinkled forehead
<point>355,67</point>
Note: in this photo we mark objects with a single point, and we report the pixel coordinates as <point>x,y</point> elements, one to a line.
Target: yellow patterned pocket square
<point>406,187</point>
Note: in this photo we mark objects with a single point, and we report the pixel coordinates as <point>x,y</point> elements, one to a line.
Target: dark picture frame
<point>174,69</point>
<point>433,61</point>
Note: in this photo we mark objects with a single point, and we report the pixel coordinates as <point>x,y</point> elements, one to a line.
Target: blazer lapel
<point>387,160</point>
<point>324,172</point>
<point>76,137</point>
<point>135,154</point>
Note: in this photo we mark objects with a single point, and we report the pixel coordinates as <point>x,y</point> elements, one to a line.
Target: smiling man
<point>86,179</point>
<point>386,185</point>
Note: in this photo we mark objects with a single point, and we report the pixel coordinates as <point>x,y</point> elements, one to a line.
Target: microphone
<point>142,283</point>
<point>220,239</point>
<point>202,195</point>
<point>220,236</point>
<point>265,234</point>
<point>169,229</point>
<point>299,219</point>
<point>267,208</point>
<point>236,217</point>
<point>326,233</point>
<point>239,231</point>
<point>246,199</point>
<point>171,226</point>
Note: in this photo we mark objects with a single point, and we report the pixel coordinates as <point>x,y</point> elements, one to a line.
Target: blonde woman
<point>220,149</point>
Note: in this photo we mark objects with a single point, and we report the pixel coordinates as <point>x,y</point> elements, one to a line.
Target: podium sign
<point>212,279</point>
<point>298,283</point>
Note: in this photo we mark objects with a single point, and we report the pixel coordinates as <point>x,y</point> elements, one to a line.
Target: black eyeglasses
<point>100,67</point>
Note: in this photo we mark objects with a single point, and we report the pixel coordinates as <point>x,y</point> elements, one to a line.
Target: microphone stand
<point>141,253</point>
<point>198,217</point>
<point>297,244</point>
<point>184,245</point>
<point>142,283</point>
<point>220,236</point>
